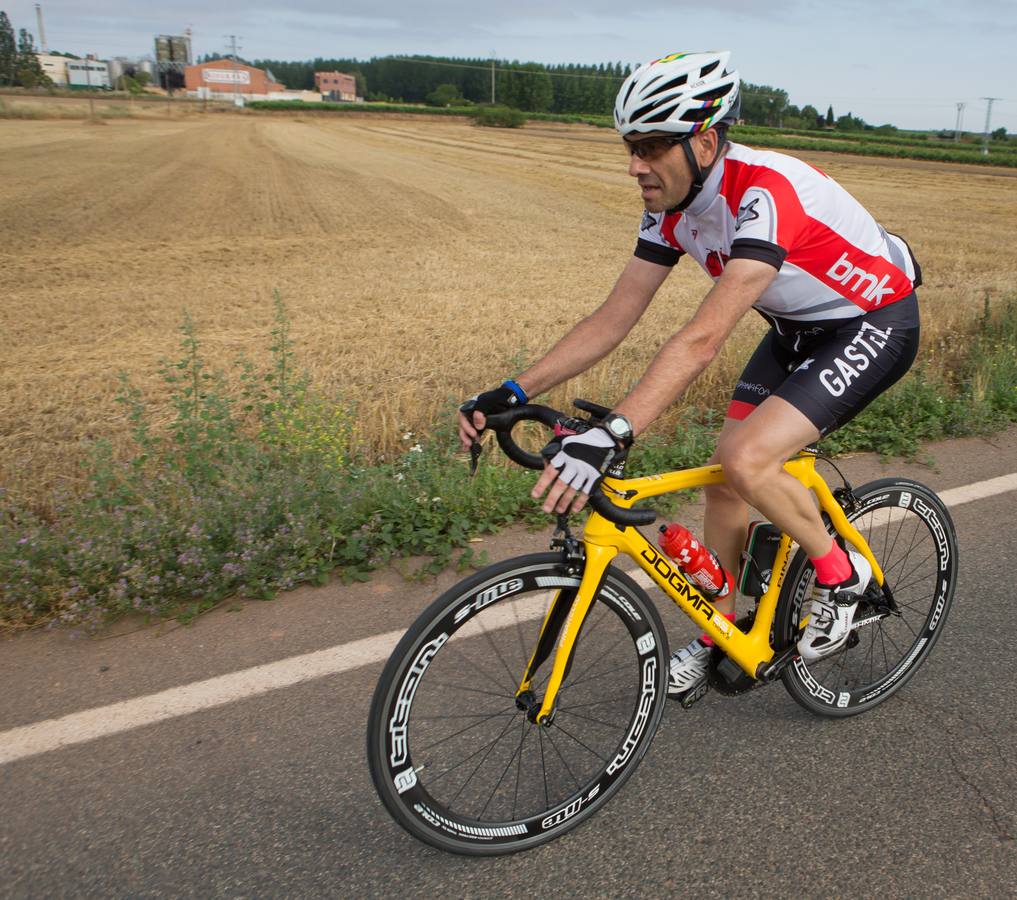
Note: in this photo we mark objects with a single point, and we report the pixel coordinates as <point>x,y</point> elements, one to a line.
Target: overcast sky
<point>908,62</point>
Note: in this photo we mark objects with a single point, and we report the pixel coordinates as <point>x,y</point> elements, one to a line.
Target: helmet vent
<point>706,70</point>
<point>697,115</point>
<point>628,93</point>
<point>671,85</point>
<point>715,93</point>
<point>662,116</point>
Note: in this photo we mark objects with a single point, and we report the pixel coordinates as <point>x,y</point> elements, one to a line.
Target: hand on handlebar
<point>578,463</point>
<point>473,413</point>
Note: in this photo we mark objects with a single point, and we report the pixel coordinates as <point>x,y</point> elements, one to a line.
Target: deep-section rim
<point>578,805</point>
<point>797,678</point>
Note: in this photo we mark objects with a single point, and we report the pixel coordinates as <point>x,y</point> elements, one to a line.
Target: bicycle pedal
<point>693,694</point>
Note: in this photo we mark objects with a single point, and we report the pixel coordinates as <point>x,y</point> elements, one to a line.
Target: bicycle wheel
<point>912,536</point>
<point>453,758</point>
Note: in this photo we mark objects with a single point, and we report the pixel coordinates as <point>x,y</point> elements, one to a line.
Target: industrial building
<point>55,67</point>
<point>337,86</point>
<point>88,74</point>
<point>225,79</point>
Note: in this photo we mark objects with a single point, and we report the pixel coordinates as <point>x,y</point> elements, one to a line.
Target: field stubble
<point>420,261</point>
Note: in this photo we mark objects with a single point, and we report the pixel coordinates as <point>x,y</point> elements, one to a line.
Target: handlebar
<point>503,423</point>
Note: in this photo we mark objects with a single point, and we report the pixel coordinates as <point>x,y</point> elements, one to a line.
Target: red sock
<point>706,639</point>
<point>834,567</point>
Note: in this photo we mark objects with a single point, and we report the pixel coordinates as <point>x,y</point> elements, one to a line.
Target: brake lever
<point>475,450</point>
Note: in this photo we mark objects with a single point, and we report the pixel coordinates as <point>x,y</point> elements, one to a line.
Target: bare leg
<point>727,517</point>
<point>753,460</point>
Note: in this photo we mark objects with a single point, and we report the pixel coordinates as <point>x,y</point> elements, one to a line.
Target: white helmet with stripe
<point>682,93</point>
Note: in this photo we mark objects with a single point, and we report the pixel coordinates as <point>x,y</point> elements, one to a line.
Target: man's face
<point>662,169</point>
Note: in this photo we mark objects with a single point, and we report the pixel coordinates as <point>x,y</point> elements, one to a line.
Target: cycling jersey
<point>834,261</point>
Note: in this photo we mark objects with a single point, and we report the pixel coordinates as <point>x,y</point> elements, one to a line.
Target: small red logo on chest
<point>715,263</point>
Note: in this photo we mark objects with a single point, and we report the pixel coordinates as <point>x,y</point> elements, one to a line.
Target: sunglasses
<point>655,147</point>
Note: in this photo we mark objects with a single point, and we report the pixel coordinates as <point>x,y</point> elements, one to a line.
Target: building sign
<point>226,76</point>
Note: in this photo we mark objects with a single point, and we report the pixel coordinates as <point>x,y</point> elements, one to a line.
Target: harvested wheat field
<point>419,259</point>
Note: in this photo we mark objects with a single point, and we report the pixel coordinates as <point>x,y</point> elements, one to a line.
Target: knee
<point>745,465</point>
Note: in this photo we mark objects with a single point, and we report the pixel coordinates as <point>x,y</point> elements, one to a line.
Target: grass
<point>256,485</point>
<point>860,143</point>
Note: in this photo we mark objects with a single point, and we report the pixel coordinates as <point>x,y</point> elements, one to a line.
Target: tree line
<point>567,88</point>
<point>19,65</point>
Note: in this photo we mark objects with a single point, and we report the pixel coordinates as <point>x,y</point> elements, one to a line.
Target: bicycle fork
<point>559,632</point>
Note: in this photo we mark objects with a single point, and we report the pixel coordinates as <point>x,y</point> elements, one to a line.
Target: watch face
<point>619,427</point>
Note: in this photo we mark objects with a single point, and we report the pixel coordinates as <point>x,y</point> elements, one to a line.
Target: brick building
<point>337,86</point>
<point>224,79</point>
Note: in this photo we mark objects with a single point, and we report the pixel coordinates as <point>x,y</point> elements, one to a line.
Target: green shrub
<point>500,117</point>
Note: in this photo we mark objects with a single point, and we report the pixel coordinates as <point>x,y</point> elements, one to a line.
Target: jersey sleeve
<point>651,245</point>
<point>768,221</point>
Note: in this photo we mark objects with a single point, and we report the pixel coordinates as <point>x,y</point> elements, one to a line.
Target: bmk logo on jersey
<point>843,271</point>
<point>649,221</point>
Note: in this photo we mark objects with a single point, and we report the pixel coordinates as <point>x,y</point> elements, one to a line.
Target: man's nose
<point>638,166</point>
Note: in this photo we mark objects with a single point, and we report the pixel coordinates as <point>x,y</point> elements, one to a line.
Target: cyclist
<point>778,236</point>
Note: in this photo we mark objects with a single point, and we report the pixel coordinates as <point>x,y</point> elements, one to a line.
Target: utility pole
<point>960,121</point>
<point>88,81</point>
<point>988,118</point>
<point>492,78</point>
<point>236,75</point>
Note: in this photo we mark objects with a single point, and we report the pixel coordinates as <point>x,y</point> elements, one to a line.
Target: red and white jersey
<point>834,261</point>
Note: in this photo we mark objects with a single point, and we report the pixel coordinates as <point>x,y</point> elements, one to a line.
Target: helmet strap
<point>699,175</point>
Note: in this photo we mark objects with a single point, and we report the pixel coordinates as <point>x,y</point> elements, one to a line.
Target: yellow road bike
<point>521,700</point>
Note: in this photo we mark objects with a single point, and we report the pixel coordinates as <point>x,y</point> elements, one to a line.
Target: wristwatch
<point>619,428</point>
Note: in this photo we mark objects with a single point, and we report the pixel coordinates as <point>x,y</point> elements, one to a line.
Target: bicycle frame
<point>603,541</point>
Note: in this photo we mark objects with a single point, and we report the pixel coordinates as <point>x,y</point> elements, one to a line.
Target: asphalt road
<point>744,797</point>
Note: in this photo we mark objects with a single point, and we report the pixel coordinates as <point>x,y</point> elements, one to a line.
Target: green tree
<point>811,117</point>
<point>443,95</point>
<point>999,134</point>
<point>8,50</point>
<point>849,122</point>
<point>829,116</point>
<point>28,69</point>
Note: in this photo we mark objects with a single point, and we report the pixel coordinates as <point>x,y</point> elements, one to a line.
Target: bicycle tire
<point>460,664</point>
<point>913,538</point>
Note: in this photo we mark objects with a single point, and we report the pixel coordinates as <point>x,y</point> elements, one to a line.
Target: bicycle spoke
<point>462,787</point>
<point>592,719</point>
<point>508,766</point>
<point>463,731</point>
<point>504,692</point>
<point>568,769</point>
<point>569,734</point>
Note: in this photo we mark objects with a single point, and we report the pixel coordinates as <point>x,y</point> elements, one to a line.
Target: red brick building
<point>337,85</point>
<point>225,78</point>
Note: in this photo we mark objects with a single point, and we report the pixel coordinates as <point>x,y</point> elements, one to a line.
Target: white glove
<point>584,458</point>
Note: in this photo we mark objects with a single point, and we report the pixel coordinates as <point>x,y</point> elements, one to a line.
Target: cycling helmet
<point>682,93</point>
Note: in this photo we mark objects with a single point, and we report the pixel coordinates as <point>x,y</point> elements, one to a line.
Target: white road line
<point>76,728</point>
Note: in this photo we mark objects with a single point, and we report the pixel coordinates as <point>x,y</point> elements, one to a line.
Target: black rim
<point>910,539</point>
<point>466,762</point>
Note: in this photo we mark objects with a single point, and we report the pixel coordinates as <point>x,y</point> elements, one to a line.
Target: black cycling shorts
<point>830,371</point>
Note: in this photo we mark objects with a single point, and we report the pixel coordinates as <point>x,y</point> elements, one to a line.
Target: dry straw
<point>421,260</point>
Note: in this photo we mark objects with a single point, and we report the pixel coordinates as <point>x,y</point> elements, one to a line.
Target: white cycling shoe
<point>688,668</point>
<point>833,610</point>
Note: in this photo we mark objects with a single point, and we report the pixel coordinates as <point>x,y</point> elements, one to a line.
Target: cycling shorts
<point>830,371</point>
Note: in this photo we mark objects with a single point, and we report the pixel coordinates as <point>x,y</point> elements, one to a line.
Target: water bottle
<point>696,560</point>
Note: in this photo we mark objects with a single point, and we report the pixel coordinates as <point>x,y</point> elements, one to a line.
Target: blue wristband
<point>518,391</point>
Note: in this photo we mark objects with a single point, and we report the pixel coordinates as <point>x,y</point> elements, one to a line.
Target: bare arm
<point>601,331</point>
<point>589,341</point>
<point>691,349</point>
<point>677,364</point>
